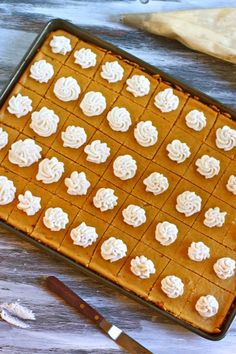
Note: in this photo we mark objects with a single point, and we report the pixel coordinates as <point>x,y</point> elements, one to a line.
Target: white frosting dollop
<point>231,184</point>
<point>24,153</point>
<point>60,45</point>
<point>85,57</point>
<point>207,306</point>
<point>3,138</point>
<point>7,190</point>
<point>156,183</point>
<point>198,251</point>
<point>172,286</point>
<point>145,133</point>
<point>77,183</point>
<point>97,152</point>
<point>188,203</point>
<point>112,71</point>
<point>166,100</point>
<point>226,138</point>
<point>67,89</point>
<point>93,104</point>
<point>19,105</point>
<point>195,120</point>
<point>225,267</point>
<point>134,215</point>
<point>208,166</point>
<point>214,217</point>
<point>55,219</point>
<point>29,203</point>
<point>44,122</point>
<point>105,199</point>
<point>138,85</point>
<point>113,249</point>
<point>50,170</point>
<point>178,151</point>
<point>124,167</point>
<point>41,71</point>
<point>119,119</point>
<point>166,233</point>
<point>84,235</point>
<point>142,267</point>
<point>74,137</point>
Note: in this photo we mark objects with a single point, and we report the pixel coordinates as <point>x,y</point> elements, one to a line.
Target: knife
<point>115,333</point>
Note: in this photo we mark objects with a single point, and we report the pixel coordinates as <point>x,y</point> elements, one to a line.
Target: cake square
<point>209,113</point>
<point>10,119</point>
<point>126,185</point>
<point>130,281</point>
<point>174,305</point>
<point>46,48</point>
<point>141,100</point>
<point>135,232</point>
<point>78,253</point>
<point>47,236</point>
<point>192,174</point>
<point>230,239</point>
<point>158,200</point>
<point>12,137</point>
<point>221,191</point>
<point>39,87</point>
<point>170,205</point>
<point>105,267</point>
<point>88,71</point>
<point>163,159</point>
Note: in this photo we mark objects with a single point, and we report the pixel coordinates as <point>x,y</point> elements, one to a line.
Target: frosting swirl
<point>119,119</point>
<point>55,219</point>
<point>113,249</point>
<point>134,215</point>
<point>208,166</point>
<point>146,134</point>
<point>7,190</point>
<point>44,122</point>
<point>214,217</point>
<point>74,137</point>
<point>41,71</point>
<point>77,183</point>
<point>85,58</point>
<point>198,251</point>
<point>60,45</point>
<point>138,85</point>
<point>142,267</point>
<point>84,235</point>
<point>112,71</point>
<point>50,170</point>
<point>156,183</point>
<point>226,138</point>
<point>3,138</point>
<point>124,167</point>
<point>166,233</point>
<point>225,267</point>
<point>178,151</point>
<point>231,184</point>
<point>207,306</point>
<point>188,203</point>
<point>24,153</point>
<point>172,286</point>
<point>93,104</point>
<point>67,89</point>
<point>166,100</point>
<point>28,203</point>
<point>97,152</point>
<point>105,199</point>
<point>195,120</point>
<point>19,105</point>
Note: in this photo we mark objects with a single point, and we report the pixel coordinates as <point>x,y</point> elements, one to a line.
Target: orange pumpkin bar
<point>221,191</point>
<point>12,137</point>
<point>230,239</point>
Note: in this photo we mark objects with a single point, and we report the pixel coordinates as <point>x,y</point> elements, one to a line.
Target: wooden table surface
<point>22,266</point>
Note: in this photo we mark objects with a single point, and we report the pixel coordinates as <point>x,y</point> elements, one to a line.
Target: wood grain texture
<point>58,328</point>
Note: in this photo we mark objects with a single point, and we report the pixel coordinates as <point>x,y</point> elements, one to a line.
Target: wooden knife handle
<point>59,288</point>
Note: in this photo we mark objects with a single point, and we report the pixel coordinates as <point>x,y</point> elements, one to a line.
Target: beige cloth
<point>212,31</point>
